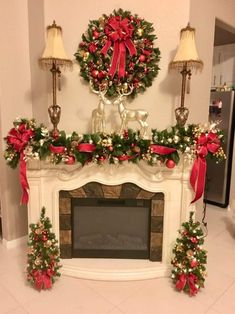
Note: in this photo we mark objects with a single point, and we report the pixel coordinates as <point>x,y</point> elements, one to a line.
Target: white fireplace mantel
<point>46,180</point>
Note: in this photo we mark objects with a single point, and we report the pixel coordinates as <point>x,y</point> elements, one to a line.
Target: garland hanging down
<point>117,51</point>
<point>27,140</point>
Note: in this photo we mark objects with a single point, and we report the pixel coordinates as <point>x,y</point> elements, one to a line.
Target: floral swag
<point>27,140</point>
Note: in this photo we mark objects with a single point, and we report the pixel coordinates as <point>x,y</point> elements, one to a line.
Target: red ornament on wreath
<point>117,52</point>
<point>170,163</point>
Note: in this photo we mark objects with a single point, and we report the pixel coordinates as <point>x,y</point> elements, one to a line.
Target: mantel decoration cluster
<point>117,51</point>
<point>27,140</point>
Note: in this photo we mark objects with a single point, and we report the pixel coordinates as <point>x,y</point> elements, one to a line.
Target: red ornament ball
<point>44,238</point>
<point>71,160</point>
<point>101,74</point>
<point>142,58</point>
<point>170,163</point>
<point>110,148</point>
<point>55,134</point>
<point>96,34</point>
<point>95,73</point>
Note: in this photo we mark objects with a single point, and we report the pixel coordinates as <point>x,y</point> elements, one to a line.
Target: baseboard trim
<point>15,243</point>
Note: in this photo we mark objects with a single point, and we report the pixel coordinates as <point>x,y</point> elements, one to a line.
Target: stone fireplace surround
<point>47,180</point>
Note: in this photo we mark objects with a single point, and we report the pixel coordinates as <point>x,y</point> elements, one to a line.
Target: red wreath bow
<point>119,31</point>
<point>19,139</point>
<point>191,279</point>
<point>205,143</point>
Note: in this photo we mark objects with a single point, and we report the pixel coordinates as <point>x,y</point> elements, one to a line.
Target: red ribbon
<point>119,32</point>
<point>192,279</point>
<point>161,150</point>
<point>205,144</point>
<point>19,138</point>
<point>180,284</point>
<point>42,279</point>
<point>57,149</point>
<point>86,147</point>
<point>189,279</point>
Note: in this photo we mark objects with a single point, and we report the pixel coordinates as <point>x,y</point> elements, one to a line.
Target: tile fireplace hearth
<point>167,191</point>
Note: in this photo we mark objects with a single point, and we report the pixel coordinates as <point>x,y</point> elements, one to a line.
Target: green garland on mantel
<point>27,140</point>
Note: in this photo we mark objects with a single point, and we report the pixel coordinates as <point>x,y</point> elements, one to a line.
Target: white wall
<point>15,100</point>
<point>76,100</point>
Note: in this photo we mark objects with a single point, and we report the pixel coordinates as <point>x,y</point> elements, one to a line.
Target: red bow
<point>189,279</point>
<point>57,149</point>
<point>119,32</point>
<point>161,150</point>
<point>19,138</point>
<point>42,279</point>
<point>205,144</point>
<point>86,148</point>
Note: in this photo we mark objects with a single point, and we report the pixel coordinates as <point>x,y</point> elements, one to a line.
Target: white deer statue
<point>127,115</point>
<point>98,115</point>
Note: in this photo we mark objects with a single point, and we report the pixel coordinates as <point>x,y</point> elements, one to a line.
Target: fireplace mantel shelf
<point>47,180</point>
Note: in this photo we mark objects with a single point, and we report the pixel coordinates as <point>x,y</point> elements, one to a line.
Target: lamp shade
<point>54,51</point>
<point>187,51</point>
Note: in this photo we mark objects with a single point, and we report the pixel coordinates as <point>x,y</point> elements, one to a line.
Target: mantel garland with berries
<point>117,51</point>
<point>27,140</point>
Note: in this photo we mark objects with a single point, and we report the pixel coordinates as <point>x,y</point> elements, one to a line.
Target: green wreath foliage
<point>140,69</point>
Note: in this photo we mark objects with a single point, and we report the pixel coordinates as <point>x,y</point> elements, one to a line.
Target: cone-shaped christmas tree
<point>189,270</point>
<point>43,254</point>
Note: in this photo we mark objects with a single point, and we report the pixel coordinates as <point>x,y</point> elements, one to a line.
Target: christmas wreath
<point>117,51</point>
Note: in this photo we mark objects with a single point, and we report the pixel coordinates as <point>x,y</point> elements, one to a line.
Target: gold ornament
<point>189,253</point>
<point>37,262</point>
<point>140,32</point>
<point>86,55</point>
<point>102,21</point>
<point>48,243</point>
<point>38,231</point>
<point>125,87</point>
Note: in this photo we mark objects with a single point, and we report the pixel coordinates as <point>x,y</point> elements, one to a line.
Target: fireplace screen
<point>112,228</point>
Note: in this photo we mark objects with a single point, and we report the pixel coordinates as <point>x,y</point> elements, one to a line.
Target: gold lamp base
<point>54,113</point>
<point>181,115</point>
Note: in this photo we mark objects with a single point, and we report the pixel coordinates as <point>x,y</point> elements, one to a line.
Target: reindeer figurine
<point>98,114</point>
<point>127,115</point>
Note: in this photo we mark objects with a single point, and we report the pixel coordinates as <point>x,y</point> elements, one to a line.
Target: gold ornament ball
<point>140,32</point>
<point>37,262</point>
<point>48,243</point>
<point>102,21</point>
<point>86,55</point>
<point>125,87</point>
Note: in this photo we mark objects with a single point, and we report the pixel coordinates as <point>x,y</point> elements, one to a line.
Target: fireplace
<point>57,186</point>
<point>119,221</point>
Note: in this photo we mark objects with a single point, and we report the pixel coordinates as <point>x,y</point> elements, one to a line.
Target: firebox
<point>111,228</point>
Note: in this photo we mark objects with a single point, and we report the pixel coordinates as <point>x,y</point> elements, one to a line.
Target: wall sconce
<point>54,58</point>
<point>186,60</point>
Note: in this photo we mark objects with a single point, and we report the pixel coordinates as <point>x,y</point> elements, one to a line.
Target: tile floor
<point>71,295</point>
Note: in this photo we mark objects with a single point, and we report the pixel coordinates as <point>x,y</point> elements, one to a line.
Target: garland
<point>26,140</point>
<point>117,51</point>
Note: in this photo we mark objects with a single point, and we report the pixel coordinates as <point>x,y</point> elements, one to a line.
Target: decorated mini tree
<point>189,260</point>
<point>43,254</point>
